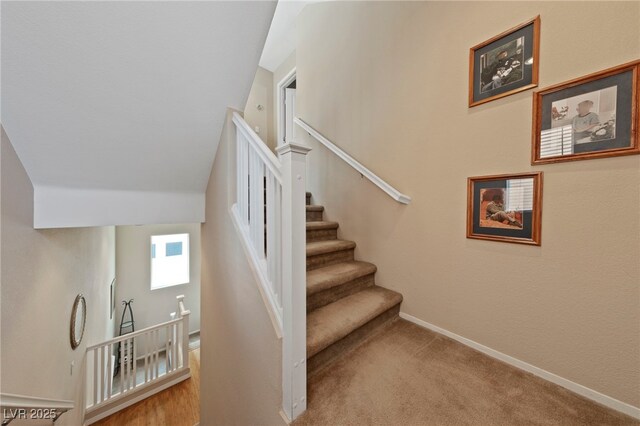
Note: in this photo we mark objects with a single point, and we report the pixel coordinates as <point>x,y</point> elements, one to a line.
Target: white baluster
<point>110,369</point>
<point>260,203</point>
<point>277,234</point>
<point>147,373</point>
<point>239,171</point>
<point>252,196</point>
<point>174,347</point>
<point>134,359</point>
<point>101,370</point>
<point>121,366</point>
<point>166,349</point>
<point>127,364</point>
<point>270,253</point>
<point>95,376</point>
<point>179,341</point>
<point>157,352</point>
<point>243,165</point>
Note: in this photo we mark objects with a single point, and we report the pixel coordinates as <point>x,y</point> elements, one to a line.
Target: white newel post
<point>294,276</point>
<point>184,315</point>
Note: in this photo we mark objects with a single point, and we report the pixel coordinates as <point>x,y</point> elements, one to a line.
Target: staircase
<point>344,306</point>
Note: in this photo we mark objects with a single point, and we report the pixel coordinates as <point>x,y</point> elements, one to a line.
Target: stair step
<point>328,252</point>
<point>343,324</point>
<point>330,283</point>
<point>314,213</point>
<point>322,230</point>
<point>308,198</point>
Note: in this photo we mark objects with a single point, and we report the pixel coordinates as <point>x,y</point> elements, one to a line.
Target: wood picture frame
<point>505,208</point>
<point>604,105</point>
<point>486,81</point>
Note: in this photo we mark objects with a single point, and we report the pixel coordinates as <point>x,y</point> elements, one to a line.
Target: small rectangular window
<point>174,249</point>
<point>169,260</point>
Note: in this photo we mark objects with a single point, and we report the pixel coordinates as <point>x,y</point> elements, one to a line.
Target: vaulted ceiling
<point>116,108</point>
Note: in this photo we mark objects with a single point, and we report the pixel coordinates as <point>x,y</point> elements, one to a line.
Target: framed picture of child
<point>589,117</point>
<point>505,64</point>
<point>505,208</point>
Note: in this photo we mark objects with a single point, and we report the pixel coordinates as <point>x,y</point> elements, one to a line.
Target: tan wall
<point>241,379</point>
<point>133,269</point>
<point>262,94</point>
<point>42,272</point>
<point>388,83</point>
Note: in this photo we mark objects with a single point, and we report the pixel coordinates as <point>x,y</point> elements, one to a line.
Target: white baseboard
<point>591,394</point>
<point>285,417</point>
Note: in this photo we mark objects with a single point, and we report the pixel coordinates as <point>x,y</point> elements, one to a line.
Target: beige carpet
<point>407,375</point>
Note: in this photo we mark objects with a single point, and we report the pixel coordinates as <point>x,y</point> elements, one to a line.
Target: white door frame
<point>282,85</point>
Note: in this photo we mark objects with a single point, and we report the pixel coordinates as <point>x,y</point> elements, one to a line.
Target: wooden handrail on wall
<point>363,170</point>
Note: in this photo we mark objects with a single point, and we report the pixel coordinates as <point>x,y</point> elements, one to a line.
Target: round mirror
<point>78,319</point>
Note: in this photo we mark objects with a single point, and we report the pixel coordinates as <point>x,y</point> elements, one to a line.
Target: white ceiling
<point>281,41</point>
<point>125,96</point>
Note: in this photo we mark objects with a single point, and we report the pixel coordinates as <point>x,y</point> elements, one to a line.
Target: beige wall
<point>133,269</point>
<point>42,272</point>
<point>241,379</point>
<point>264,92</point>
<point>388,83</point>
<point>261,94</point>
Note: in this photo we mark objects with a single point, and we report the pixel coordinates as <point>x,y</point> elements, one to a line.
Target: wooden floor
<point>177,406</point>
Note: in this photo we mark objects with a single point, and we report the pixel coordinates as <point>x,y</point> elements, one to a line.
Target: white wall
<point>42,272</point>
<point>133,272</point>
<point>130,98</point>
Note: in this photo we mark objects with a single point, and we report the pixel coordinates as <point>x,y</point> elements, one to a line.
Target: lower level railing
<point>145,357</point>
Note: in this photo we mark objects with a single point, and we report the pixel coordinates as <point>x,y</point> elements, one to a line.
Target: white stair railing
<point>155,354</point>
<point>270,216</point>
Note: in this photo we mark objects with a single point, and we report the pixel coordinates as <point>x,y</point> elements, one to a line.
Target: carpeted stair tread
<point>338,274</point>
<point>321,224</point>
<point>315,248</point>
<point>330,323</point>
<point>315,208</point>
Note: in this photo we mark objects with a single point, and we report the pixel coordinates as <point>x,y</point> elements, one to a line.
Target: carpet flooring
<point>407,375</point>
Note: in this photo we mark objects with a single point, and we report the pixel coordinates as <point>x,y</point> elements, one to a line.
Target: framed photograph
<point>112,298</point>
<point>505,64</point>
<point>590,117</point>
<point>505,208</point>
